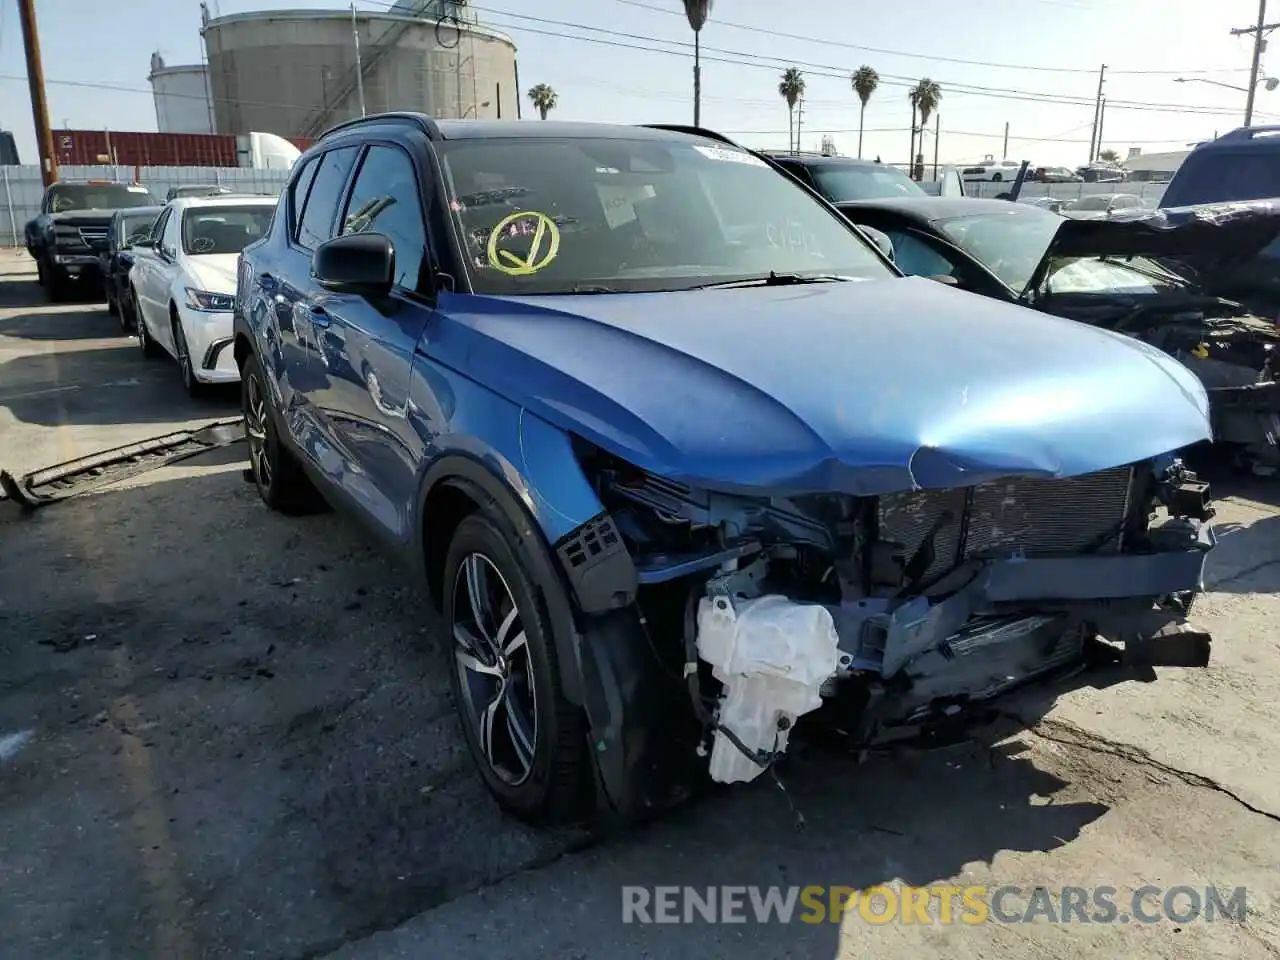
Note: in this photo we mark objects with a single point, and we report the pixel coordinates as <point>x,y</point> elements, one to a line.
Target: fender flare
<point>484,486</point>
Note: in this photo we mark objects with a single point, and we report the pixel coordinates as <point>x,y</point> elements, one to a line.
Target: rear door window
<point>321,209</point>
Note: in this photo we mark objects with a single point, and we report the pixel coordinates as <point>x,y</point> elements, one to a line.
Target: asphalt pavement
<point>226,733</point>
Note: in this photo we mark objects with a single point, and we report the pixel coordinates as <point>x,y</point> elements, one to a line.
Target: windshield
<point>1011,245</point>
<point>133,227</point>
<point>1091,203</point>
<point>211,230</point>
<point>839,182</point>
<point>97,196</point>
<point>539,216</point>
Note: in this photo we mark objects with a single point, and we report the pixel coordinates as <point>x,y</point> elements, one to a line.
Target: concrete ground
<point>224,733</point>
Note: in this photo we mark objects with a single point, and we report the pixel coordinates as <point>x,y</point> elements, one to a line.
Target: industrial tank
<point>293,72</point>
<point>182,97</point>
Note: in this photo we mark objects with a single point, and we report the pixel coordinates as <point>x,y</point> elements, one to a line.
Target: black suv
<point>71,230</point>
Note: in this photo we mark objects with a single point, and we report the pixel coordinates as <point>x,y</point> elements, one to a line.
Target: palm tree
<point>1109,155</point>
<point>697,11</point>
<point>864,81</point>
<point>791,89</point>
<point>925,97</point>
<point>544,98</point>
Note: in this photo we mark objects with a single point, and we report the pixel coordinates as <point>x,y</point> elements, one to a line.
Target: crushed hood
<point>1213,238</point>
<point>856,387</point>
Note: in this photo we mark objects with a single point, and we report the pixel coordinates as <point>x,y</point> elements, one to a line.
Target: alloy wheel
<point>255,428</point>
<point>495,669</point>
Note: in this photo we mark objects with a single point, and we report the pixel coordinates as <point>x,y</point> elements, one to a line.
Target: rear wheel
<point>527,741</point>
<point>280,480</point>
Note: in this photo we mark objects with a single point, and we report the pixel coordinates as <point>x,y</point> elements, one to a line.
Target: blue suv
<point>681,457</point>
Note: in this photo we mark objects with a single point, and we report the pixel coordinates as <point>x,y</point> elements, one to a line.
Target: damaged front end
<point>877,615</point>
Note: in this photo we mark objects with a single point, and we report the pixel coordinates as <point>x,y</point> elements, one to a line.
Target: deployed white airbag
<point>772,655</point>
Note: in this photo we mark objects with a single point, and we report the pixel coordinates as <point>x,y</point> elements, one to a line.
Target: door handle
<point>320,317</point>
<point>267,282</point>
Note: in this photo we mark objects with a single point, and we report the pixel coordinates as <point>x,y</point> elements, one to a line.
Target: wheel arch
<point>458,485</point>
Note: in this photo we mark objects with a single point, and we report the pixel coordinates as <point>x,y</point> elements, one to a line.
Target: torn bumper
<point>1018,619</point>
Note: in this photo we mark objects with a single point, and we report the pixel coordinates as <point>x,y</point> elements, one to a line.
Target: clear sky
<point>1029,63</point>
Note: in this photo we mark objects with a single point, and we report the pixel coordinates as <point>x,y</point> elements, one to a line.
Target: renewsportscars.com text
<point>932,905</point>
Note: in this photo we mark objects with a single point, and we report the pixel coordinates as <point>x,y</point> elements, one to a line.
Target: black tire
<point>54,280</point>
<point>280,479</point>
<point>186,367</point>
<point>555,786</point>
<point>150,349</point>
<point>997,177</point>
<point>127,318</point>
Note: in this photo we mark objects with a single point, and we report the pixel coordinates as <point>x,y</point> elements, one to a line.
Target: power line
<point>920,56</point>
<point>832,72</point>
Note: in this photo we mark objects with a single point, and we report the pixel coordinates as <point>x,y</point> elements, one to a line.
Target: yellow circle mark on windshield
<point>543,248</point>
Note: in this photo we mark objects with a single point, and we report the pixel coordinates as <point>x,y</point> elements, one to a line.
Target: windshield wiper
<point>773,280</point>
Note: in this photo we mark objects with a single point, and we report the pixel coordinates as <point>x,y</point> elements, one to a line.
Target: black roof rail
<point>695,131</point>
<point>421,120</point>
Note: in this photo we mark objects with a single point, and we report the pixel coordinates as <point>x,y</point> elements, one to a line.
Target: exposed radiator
<point>1029,516</point>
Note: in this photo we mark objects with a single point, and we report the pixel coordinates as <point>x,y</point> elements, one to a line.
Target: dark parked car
<point>843,178</point>
<point>1149,275</point>
<point>681,457</point>
<point>70,231</point>
<point>127,227</point>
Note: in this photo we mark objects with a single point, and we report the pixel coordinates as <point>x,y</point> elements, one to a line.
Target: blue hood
<point>858,387</point>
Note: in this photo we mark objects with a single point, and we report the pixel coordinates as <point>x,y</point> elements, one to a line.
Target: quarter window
<point>298,193</point>
<point>322,200</point>
<point>385,200</point>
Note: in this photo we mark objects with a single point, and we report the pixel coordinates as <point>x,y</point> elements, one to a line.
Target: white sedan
<point>183,282</point>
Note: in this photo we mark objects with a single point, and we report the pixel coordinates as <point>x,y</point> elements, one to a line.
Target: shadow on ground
<point>243,744</point>
<point>111,383</point>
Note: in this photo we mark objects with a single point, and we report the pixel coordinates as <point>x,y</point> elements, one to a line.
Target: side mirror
<point>945,279</point>
<point>146,243</point>
<point>363,264</point>
<point>880,239</point>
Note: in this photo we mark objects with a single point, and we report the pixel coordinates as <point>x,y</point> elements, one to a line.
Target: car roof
<point>819,160</point>
<point>188,203</point>
<point>513,129</point>
<point>139,211</point>
<point>928,209</point>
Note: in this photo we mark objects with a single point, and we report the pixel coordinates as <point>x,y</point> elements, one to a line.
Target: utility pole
<point>35,80</point>
<point>1102,114</point>
<point>1258,43</point>
<point>1005,154</point>
<point>937,132</point>
<point>355,36</point>
<point>799,120</point>
<point>1097,111</point>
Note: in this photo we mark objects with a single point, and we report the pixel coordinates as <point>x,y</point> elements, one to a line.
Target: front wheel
<point>193,386</point>
<point>148,346</point>
<point>527,740</point>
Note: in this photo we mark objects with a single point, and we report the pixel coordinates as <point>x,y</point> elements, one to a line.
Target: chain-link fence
<point>21,188</point>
